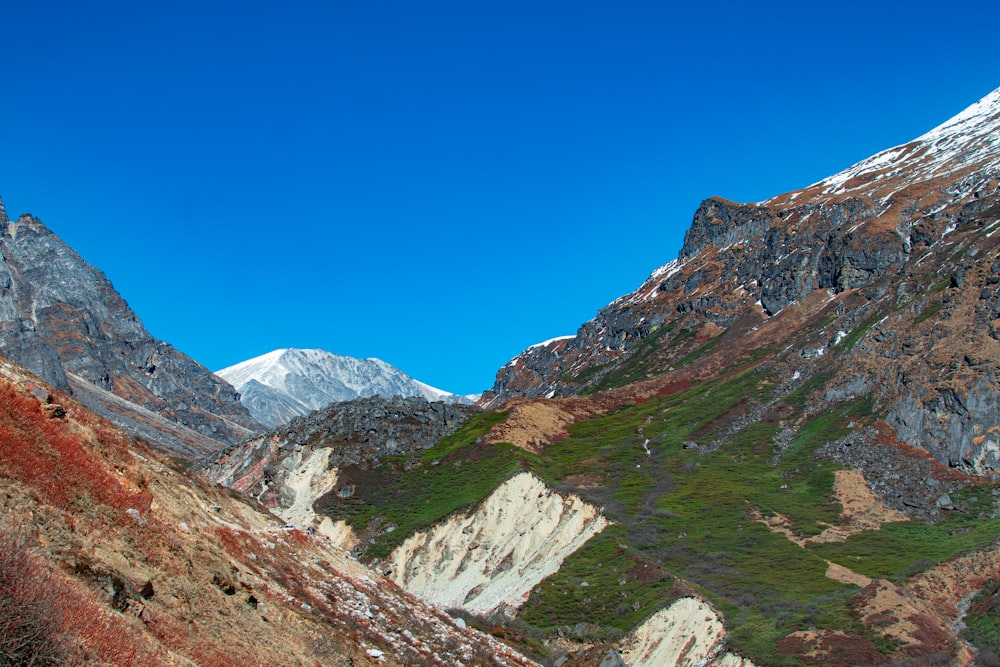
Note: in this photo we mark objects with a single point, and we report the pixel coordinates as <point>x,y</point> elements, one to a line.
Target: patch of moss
<point>698,352</point>
<point>982,623</point>
<point>900,550</point>
<point>855,334</point>
<point>927,313</point>
<point>686,508</point>
<point>604,584</point>
<point>797,397</point>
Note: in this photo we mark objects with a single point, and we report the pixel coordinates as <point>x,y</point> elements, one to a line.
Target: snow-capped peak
<point>968,140</point>
<point>546,343</point>
<point>288,382</point>
<point>979,118</point>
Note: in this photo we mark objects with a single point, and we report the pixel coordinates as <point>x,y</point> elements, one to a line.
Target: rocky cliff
<point>62,319</point>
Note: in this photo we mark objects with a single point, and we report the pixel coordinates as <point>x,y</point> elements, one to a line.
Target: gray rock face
<point>748,245</point>
<point>270,406</point>
<point>60,315</point>
<point>781,263</point>
<point>612,659</point>
<point>956,426</point>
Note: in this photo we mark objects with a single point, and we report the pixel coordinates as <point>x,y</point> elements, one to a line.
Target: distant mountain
<point>289,382</point>
<point>63,320</point>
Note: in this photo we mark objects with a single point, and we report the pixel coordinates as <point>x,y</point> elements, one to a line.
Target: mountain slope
<point>287,383</point>
<point>62,319</point>
<point>794,423</point>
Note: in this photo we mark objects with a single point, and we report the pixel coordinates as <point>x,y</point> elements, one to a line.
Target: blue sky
<point>439,184</point>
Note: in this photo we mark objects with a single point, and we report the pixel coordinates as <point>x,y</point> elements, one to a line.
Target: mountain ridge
<point>789,436</point>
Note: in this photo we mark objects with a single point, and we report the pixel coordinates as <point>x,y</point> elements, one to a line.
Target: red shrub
<point>51,457</point>
<point>30,622</point>
<point>222,656</point>
<point>46,620</point>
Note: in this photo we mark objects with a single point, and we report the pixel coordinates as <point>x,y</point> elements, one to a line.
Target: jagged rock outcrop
<point>61,317</point>
<point>534,373</point>
<point>779,263</point>
<point>961,426</point>
<point>489,560</point>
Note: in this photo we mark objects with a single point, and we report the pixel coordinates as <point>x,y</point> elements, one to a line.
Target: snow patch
<point>546,343</point>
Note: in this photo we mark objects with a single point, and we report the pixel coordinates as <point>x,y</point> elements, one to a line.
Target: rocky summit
<point>62,319</point>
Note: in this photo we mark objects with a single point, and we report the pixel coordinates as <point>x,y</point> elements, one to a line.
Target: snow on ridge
<point>665,271</point>
<point>972,117</point>
<point>520,355</point>
<point>550,341</point>
<point>244,371</point>
<point>971,137</point>
<point>435,394</point>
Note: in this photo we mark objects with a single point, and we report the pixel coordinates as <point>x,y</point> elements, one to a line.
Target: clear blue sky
<point>439,184</point>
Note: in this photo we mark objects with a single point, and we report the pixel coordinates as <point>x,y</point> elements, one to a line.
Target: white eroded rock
<point>309,477</point>
<point>686,633</point>
<point>339,533</point>
<point>731,660</point>
<point>492,558</point>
